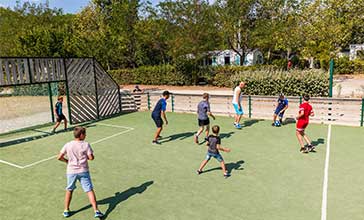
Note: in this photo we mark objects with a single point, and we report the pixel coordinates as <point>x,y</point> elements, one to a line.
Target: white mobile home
<point>230,57</point>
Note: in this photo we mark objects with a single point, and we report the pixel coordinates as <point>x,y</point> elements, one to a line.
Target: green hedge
<point>346,66</point>
<point>31,90</point>
<point>292,83</point>
<point>38,90</point>
<point>260,81</point>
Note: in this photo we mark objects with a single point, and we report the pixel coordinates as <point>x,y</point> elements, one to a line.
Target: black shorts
<point>61,117</point>
<point>203,122</point>
<point>158,121</point>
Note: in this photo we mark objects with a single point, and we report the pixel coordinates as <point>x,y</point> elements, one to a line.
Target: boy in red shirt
<point>302,122</point>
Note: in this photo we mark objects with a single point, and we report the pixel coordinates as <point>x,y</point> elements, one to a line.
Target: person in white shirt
<point>237,104</point>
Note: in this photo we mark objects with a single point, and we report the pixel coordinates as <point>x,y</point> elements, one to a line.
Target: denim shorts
<point>84,179</point>
<point>218,157</point>
<point>238,111</point>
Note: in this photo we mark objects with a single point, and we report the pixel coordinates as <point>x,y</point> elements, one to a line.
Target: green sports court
<point>134,179</point>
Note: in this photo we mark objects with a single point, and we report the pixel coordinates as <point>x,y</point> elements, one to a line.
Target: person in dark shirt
<point>214,146</point>
<point>137,89</point>
<point>158,113</point>
<point>203,112</point>
<point>282,106</point>
<point>59,115</point>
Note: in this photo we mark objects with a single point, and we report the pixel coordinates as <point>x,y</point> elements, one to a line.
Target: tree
<point>236,20</point>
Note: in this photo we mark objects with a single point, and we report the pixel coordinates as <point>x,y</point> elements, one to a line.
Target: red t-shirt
<point>307,109</point>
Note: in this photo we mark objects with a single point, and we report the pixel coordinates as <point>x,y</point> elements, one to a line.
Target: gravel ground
<point>25,121</point>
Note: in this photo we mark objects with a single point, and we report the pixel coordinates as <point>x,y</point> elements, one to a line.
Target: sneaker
<point>238,126</point>
<point>304,150</point>
<point>195,138</point>
<point>273,124</point>
<point>198,172</point>
<point>226,175</point>
<point>66,213</point>
<point>156,142</point>
<point>98,214</point>
<point>53,131</point>
<point>311,148</point>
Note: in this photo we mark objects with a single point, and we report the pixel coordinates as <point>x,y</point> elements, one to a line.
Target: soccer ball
<point>277,123</point>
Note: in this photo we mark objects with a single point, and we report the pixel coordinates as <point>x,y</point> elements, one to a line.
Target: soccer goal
<point>29,88</point>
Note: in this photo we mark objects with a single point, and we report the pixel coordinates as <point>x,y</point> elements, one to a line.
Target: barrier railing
<point>327,110</point>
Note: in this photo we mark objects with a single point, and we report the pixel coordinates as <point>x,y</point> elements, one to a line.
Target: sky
<point>68,6</point>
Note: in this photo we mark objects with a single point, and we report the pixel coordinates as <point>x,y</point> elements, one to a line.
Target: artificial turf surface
<point>134,179</point>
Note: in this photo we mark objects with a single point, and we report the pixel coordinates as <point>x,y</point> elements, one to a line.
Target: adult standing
<point>237,98</point>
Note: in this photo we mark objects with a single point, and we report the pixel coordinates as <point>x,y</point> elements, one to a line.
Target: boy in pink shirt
<point>78,152</point>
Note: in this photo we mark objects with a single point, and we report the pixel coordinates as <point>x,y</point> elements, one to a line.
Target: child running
<point>302,122</point>
<point>59,114</point>
<point>203,111</point>
<point>159,111</point>
<point>214,147</point>
<point>78,152</point>
<point>282,106</point>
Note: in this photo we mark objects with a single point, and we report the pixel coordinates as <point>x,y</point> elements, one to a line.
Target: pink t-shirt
<point>77,152</point>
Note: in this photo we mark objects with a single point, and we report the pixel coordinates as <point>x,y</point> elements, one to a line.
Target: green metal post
<point>67,92</point>
<point>50,100</point>
<point>148,96</point>
<point>331,77</point>
<point>300,100</point>
<point>172,99</point>
<point>250,106</point>
<point>362,112</point>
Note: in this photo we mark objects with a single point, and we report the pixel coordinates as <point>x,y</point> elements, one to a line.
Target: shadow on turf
<point>43,134</point>
<point>289,121</point>
<point>229,167</point>
<point>117,198</point>
<point>251,122</point>
<point>318,142</point>
<point>180,136</point>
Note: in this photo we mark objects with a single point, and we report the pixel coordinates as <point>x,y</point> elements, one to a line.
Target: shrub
<point>261,80</point>
<point>280,63</point>
<point>31,90</point>
<point>292,83</point>
<point>344,66</point>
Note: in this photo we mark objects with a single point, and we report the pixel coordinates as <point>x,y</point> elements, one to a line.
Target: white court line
<point>38,162</point>
<point>326,177</point>
<point>117,134</point>
<point>11,164</point>
<point>95,142</point>
<point>115,126</point>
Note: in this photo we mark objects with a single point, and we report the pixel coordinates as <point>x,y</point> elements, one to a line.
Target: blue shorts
<point>237,110</point>
<point>276,112</point>
<point>158,121</point>
<point>218,157</point>
<point>84,179</point>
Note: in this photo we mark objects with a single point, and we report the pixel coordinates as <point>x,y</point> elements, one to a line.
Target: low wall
<point>327,110</point>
